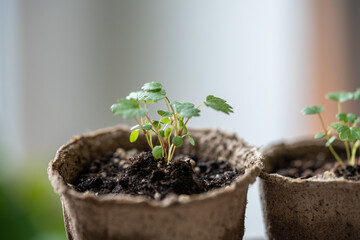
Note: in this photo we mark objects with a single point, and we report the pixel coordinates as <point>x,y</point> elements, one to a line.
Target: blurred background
<point>63,63</point>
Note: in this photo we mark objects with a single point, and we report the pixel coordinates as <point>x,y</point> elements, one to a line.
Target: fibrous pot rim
<point>62,188</point>
<point>271,151</point>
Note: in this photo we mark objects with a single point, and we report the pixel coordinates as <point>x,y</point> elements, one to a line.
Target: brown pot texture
<point>217,214</point>
<point>317,208</point>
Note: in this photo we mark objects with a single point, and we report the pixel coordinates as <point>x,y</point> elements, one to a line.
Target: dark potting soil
<point>311,165</point>
<point>142,174</point>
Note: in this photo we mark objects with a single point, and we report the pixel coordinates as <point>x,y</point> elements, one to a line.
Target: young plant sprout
<point>170,128</point>
<point>346,128</point>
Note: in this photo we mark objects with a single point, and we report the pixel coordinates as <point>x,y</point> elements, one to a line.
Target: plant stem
<point>150,137</point>
<point>147,139</point>
<point>347,150</point>
<point>156,132</point>
<point>339,107</point>
<point>175,117</point>
<point>353,153</point>
<point>330,147</point>
<point>170,154</point>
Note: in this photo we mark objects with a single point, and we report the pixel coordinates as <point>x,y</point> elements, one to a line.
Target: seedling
<point>170,128</point>
<point>345,129</point>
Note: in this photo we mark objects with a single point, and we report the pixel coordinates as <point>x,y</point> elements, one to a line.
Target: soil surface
<point>141,174</point>
<point>311,165</point>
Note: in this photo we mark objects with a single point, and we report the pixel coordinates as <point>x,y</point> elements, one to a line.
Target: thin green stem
<point>147,139</point>
<point>339,107</point>
<point>156,132</point>
<point>353,153</point>
<point>347,150</point>
<point>175,116</point>
<point>170,153</point>
<point>150,138</point>
<point>330,147</point>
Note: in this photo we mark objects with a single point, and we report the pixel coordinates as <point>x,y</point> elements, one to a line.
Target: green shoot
<point>345,129</point>
<point>171,127</point>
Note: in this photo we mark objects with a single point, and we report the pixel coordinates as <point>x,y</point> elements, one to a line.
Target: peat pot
<point>316,208</point>
<point>217,214</point>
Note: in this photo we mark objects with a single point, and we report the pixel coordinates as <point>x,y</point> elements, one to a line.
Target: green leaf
<point>147,127</point>
<point>162,133</point>
<point>152,86</point>
<point>167,132</point>
<point>351,117</point>
<point>312,110</point>
<point>218,104</point>
<point>177,141</point>
<point>191,139</point>
<point>344,132</point>
<point>185,130</point>
<point>165,120</point>
<point>340,96</point>
<point>342,117</point>
<point>356,132</point>
<point>357,94</point>
<point>157,124</point>
<point>186,109</point>
<point>152,96</point>
<point>128,108</point>
<point>330,141</point>
<point>134,95</point>
<point>157,152</point>
<point>134,135</point>
<point>335,125</point>
<point>164,113</point>
<point>319,135</point>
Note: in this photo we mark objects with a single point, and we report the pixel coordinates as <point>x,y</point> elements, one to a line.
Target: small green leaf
<point>356,132</point>
<point>218,104</point>
<point>157,124</point>
<point>167,132</point>
<point>134,135</point>
<point>342,117</point>
<point>330,141</point>
<point>157,152</point>
<point>164,113</point>
<point>319,135</point>
<point>162,133</point>
<point>357,94</point>
<point>134,95</point>
<point>191,139</point>
<point>335,125</point>
<point>344,132</point>
<point>185,130</point>
<point>177,141</point>
<point>312,110</point>
<point>165,121</point>
<point>152,96</point>
<point>186,109</point>
<point>128,108</point>
<point>147,127</point>
<point>351,117</point>
<point>152,86</point>
<point>342,128</point>
<point>340,96</point>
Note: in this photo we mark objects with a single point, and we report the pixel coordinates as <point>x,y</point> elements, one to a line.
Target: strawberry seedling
<point>171,127</point>
<point>345,129</point>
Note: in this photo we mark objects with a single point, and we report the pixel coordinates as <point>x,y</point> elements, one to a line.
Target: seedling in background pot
<point>345,129</point>
<point>170,128</point>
